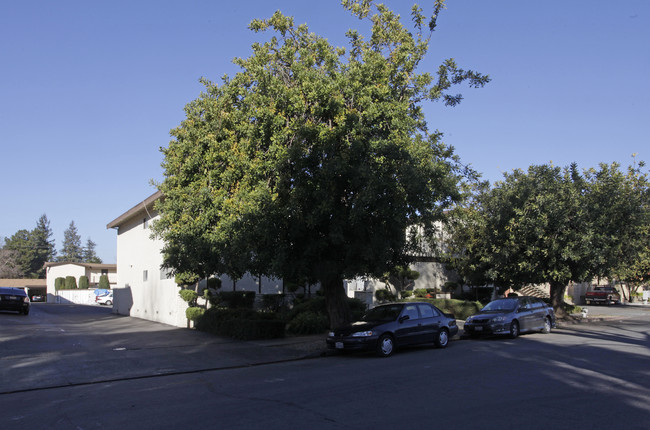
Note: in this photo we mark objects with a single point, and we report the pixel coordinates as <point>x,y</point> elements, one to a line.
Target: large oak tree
<point>312,161</point>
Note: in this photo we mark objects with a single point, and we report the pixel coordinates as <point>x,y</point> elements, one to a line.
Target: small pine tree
<point>83,282</point>
<point>104,284</point>
<point>59,283</point>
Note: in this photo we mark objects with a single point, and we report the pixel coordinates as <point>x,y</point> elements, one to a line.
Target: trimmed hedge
<point>234,299</point>
<point>244,324</point>
<point>83,282</point>
<point>194,313</point>
<point>70,283</point>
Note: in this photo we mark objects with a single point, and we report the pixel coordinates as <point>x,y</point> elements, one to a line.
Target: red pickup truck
<point>597,295</point>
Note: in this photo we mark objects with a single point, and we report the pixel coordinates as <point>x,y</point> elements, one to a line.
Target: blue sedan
<point>387,327</point>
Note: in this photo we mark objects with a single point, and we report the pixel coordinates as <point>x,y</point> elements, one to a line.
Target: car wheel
<point>442,340</point>
<point>26,312</point>
<point>109,303</point>
<point>385,345</point>
<point>547,326</point>
<point>514,329</point>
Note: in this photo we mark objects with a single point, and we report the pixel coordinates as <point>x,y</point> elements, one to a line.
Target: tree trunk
<point>336,302</point>
<point>557,298</point>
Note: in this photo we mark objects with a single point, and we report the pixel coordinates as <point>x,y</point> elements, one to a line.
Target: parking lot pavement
<point>54,349</point>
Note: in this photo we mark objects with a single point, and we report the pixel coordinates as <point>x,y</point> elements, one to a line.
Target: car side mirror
<point>404,318</point>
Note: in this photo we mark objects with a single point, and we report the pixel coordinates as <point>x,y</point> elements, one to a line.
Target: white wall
<point>62,271</point>
<point>152,296</point>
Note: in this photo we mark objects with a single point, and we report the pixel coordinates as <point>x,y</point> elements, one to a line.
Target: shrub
<point>193,313</point>
<point>70,283</point>
<point>273,302</point>
<point>83,282</point>
<point>308,323</point>
<point>244,324</point>
<point>214,283</point>
<point>420,292</point>
<point>450,286</point>
<point>104,283</point>
<point>189,296</point>
<point>406,294</point>
<point>234,299</point>
<point>59,283</point>
<point>383,295</point>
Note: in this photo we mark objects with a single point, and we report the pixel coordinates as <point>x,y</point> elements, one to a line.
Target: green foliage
<point>193,313</point>
<point>273,302</point>
<point>244,324</point>
<point>406,294</point>
<point>28,251</point>
<point>384,295</point>
<point>311,162</point>
<point>234,299</point>
<point>104,283</point>
<point>550,225</point>
<point>401,277</point>
<point>450,287</point>
<point>214,283</point>
<point>186,278</point>
<point>59,283</point>
<point>308,323</point>
<point>317,305</point>
<point>70,283</point>
<point>88,253</point>
<point>83,282</point>
<point>72,250</point>
<point>420,292</point>
<point>190,296</point>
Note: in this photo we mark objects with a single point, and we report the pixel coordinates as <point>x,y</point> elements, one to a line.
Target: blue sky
<point>89,91</point>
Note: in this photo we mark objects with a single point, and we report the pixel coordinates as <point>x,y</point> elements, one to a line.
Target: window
<point>426,311</point>
<point>145,275</point>
<point>411,311</point>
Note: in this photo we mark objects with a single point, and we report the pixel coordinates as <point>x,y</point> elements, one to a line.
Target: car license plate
<point>478,328</point>
<point>13,298</point>
<point>339,345</point>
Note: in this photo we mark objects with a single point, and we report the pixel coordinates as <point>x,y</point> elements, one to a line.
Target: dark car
<point>14,299</point>
<point>511,316</point>
<point>387,327</point>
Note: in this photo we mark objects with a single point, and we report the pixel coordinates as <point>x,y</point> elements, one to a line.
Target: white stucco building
<point>145,291</point>
<point>93,271</point>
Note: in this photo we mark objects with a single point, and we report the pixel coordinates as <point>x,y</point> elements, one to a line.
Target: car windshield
<point>383,313</point>
<point>501,305</point>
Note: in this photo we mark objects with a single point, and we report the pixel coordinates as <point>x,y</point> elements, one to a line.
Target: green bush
<point>59,283</point>
<point>450,286</point>
<point>420,292</point>
<point>83,282</point>
<point>406,294</point>
<point>308,323</point>
<point>244,324</point>
<point>383,295</point>
<point>189,296</point>
<point>214,283</point>
<point>70,283</point>
<point>273,302</point>
<point>104,283</point>
<point>234,299</point>
<point>193,313</point>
